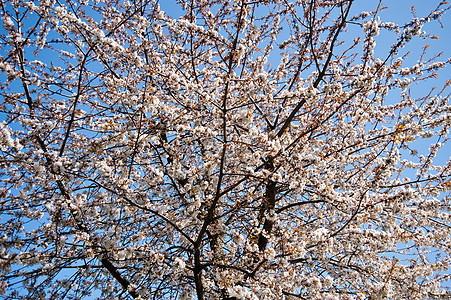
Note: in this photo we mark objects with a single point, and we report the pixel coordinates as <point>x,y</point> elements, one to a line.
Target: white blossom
<point>372,27</point>
<point>228,149</point>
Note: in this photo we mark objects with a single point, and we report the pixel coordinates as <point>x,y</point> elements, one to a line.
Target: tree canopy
<point>222,150</point>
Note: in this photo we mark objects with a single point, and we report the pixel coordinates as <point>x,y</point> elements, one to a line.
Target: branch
<point>72,210</point>
<point>77,97</point>
<point>356,211</point>
<point>115,273</point>
<point>320,75</point>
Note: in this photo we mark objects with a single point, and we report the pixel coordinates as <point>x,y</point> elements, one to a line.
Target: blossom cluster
<point>237,150</point>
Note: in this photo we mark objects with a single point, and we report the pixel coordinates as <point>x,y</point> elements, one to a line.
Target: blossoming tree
<point>241,150</point>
